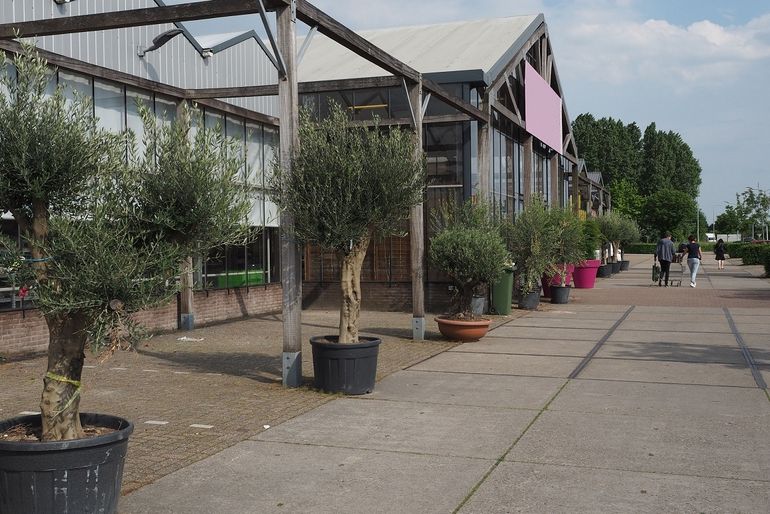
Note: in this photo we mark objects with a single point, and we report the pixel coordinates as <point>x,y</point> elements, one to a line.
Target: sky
<point>697,67</point>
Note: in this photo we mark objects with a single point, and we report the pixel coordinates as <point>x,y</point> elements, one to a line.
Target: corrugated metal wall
<point>177,63</point>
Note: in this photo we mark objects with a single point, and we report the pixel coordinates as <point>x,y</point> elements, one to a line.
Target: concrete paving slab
<point>674,317</point>
<point>557,322</point>
<point>434,429</point>
<point>518,487</point>
<point>681,352</point>
<point>755,328</point>
<point>459,389</point>
<point>609,307</point>
<point>755,339</point>
<point>669,372</point>
<point>749,311</point>
<point>577,312</point>
<point>710,311</point>
<point>492,344</point>
<point>678,327</point>
<point>579,334</point>
<point>662,400</point>
<point>712,448</point>
<point>760,352</point>
<point>648,336</point>
<point>500,364</point>
<point>272,477</point>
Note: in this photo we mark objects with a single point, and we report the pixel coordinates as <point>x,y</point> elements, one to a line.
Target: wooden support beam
<point>508,114</point>
<point>455,102</point>
<point>527,171</point>
<point>515,104</point>
<point>417,226</point>
<point>554,179</point>
<point>321,86</point>
<point>484,149</point>
<point>134,17</point>
<point>575,188</point>
<point>291,271</point>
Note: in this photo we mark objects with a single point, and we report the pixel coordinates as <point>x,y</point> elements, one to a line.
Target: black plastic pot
<point>345,368</point>
<point>81,475</point>
<point>530,301</point>
<point>616,267</point>
<point>624,265</point>
<point>604,271</point>
<point>560,294</point>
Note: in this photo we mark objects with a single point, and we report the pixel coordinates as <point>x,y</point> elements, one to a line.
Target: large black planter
<point>616,267</point>
<point>624,265</point>
<point>604,271</point>
<point>560,294</point>
<point>345,368</point>
<point>81,475</point>
<point>530,301</point>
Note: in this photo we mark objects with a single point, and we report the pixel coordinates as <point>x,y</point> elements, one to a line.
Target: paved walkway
<point>630,398</point>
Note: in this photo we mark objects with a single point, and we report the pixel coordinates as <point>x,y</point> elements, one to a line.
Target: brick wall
<point>28,334</point>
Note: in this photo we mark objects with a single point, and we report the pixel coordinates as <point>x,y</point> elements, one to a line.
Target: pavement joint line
<point>510,448</point>
<point>599,344</point>
<point>646,472</point>
<point>698,384</point>
<point>758,378</point>
<point>154,422</point>
<point>487,374</point>
<point>420,402</point>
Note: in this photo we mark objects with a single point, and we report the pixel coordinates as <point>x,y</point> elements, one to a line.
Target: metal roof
<point>466,49</point>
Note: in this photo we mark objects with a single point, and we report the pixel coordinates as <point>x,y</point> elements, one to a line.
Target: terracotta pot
<point>462,330</point>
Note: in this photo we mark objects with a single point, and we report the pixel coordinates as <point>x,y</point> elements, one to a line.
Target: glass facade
<point>116,108</point>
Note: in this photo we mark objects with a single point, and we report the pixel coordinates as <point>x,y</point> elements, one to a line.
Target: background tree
<point>102,247</point>
<point>668,209</point>
<point>729,222</point>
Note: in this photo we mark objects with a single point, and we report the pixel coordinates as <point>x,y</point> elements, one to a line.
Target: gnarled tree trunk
<point>350,279</point>
<point>60,403</point>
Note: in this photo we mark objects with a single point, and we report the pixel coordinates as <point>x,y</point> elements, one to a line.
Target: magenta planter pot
<point>584,276</point>
<point>555,280</point>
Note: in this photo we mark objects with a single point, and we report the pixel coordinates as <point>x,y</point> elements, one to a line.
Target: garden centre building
<point>492,115</point>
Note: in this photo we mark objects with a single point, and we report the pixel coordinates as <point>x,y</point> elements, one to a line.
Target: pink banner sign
<point>542,109</point>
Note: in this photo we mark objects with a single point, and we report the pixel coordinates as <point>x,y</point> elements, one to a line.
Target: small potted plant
<point>530,239</point>
<point>469,249</point>
<point>566,251</point>
<point>584,276</point>
<point>348,184</point>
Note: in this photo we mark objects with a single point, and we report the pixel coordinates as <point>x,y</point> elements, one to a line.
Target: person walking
<point>719,250</point>
<point>694,257</point>
<point>664,253</point>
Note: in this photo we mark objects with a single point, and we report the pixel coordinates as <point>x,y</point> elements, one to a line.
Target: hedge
<point>755,253</point>
<point>644,248</point>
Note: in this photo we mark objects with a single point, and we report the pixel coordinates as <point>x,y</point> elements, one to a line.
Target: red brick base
<point>27,333</point>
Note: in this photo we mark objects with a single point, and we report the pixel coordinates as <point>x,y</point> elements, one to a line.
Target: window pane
<point>109,106</point>
<point>254,155</point>
<point>73,83</point>
<point>234,132</point>
<point>133,120</point>
<point>165,109</point>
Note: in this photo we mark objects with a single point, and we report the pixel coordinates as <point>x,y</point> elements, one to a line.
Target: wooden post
<point>186,305</point>
<point>291,273</point>
<point>554,168</point>
<point>575,192</point>
<point>527,182</point>
<point>416,227</point>
<point>484,152</point>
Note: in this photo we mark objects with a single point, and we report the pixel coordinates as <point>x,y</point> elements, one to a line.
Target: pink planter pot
<point>555,280</point>
<point>585,273</point>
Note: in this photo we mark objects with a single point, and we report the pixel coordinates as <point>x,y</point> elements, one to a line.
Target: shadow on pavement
<point>258,367</point>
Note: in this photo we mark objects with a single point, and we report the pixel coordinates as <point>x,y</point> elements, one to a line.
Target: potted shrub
<point>469,249</point>
<point>611,227</point>
<point>566,251</point>
<point>629,234</point>
<point>530,239</point>
<point>106,238</point>
<point>347,185</point>
<point>585,272</point>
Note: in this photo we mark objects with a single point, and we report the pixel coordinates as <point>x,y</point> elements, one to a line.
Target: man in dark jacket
<point>664,253</point>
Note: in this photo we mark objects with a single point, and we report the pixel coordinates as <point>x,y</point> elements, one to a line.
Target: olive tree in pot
<point>469,249</point>
<point>106,238</point>
<point>530,239</point>
<point>611,227</point>
<point>347,185</point>
<point>630,233</point>
<point>567,249</point>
